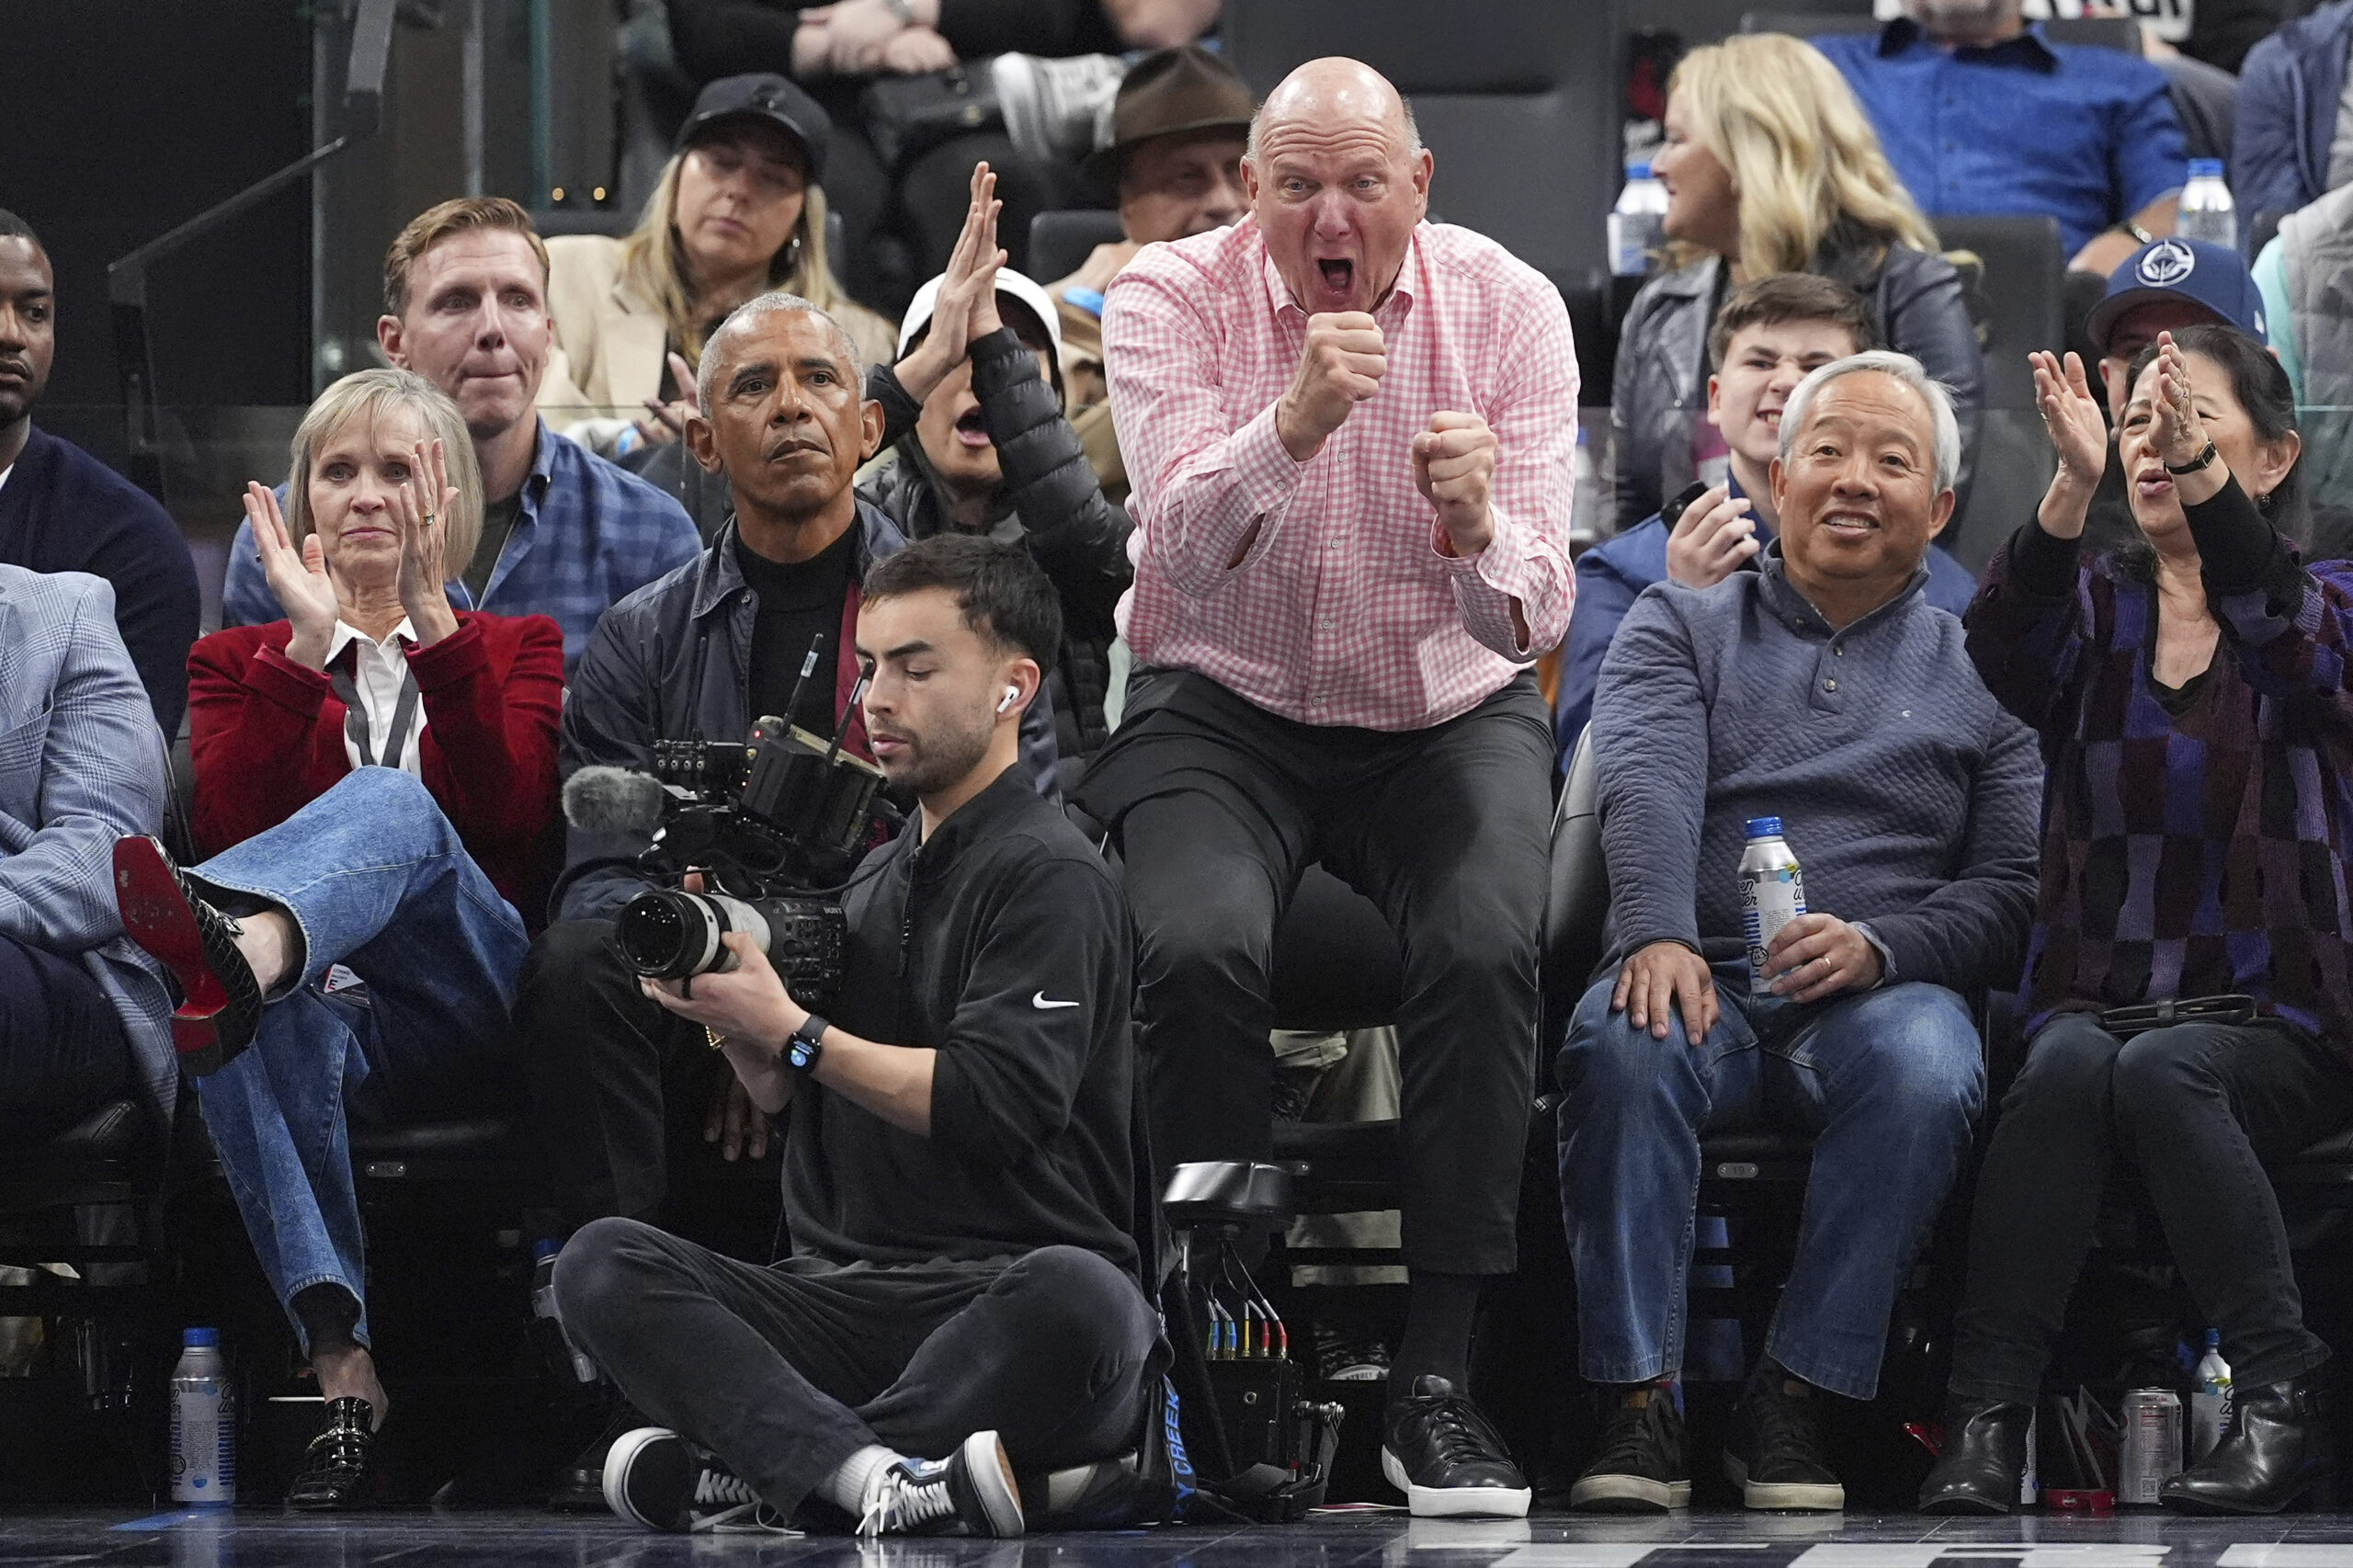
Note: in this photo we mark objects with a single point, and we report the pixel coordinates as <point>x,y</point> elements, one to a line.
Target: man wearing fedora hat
<point>1174,161</point>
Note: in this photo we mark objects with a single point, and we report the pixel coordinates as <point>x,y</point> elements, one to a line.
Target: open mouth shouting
<point>1337,281</point>
<point>971,430</point>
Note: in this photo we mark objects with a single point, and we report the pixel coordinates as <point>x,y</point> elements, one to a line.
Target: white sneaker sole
<point>617,1460</point>
<point>1628,1494</point>
<point>1455,1502</point>
<point>992,1477</point>
<point>1785,1497</point>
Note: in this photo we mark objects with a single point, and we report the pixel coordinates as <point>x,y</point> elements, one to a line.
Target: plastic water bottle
<point>2206,212</point>
<point>1638,223</point>
<point>204,1423</point>
<point>1772,894</point>
<point>561,1351</point>
<point>2210,1407</point>
<point>1585,501</point>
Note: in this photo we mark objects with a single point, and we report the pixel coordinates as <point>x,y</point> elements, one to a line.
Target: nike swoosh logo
<point>1043,1003</point>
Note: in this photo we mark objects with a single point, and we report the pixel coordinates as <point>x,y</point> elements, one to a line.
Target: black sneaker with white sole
<point>1776,1451</point>
<point>659,1480</point>
<point>1640,1466</point>
<point>1440,1453</point>
<point>971,1492</point>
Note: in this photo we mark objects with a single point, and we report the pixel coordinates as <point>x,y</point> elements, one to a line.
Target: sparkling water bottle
<point>2210,1407</point>
<point>1638,223</point>
<point>2206,212</point>
<point>1772,894</point>
<point>204,1423</point>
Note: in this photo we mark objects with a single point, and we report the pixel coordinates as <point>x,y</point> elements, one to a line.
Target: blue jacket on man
<point>1611,576</point>
<point>2290,89</point>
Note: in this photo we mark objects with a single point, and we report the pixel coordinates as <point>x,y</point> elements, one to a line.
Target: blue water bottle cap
<point>1764,827</point>
<point>545,1247</point>
<point>2213,1339</point>
<point>1638,171</point>
<point>199,1338</point>
<point>2205,169</point>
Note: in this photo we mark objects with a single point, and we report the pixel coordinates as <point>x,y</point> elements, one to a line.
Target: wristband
<point>806,1044</point>
<point>2201,461</point>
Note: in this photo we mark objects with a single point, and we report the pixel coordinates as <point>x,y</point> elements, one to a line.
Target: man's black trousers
<point>1217,806</point>
<point>785,1371</point>
<point>62,1053</point>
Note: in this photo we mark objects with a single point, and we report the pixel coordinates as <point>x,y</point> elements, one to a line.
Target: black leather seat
<point>1060,241</point>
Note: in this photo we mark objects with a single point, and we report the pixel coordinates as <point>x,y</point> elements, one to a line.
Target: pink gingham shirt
<point>1347,610</point>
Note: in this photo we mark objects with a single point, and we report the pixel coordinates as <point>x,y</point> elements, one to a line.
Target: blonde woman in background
<point>1770,167</point>
<point>737,213</point>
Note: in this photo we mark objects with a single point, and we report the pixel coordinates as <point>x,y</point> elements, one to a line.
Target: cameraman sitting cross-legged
<point>961,1292</point>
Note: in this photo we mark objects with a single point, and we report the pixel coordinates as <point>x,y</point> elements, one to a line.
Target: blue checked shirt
<point>587,534</point>
<point>2085,134</point>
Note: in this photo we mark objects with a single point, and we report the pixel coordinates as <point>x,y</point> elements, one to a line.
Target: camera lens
<point>668,934</point>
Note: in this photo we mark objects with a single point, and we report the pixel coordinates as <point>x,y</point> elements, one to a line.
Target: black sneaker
<point>1640,1465</point>
<point>659,1480</point>
<point>1440,1453</point>
<point>1776,1452</point>
<point>971,1492</point>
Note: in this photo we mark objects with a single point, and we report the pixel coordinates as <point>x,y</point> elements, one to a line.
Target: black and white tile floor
<point>261,1539</point>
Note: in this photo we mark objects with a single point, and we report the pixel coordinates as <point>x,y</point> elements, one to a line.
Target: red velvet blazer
<point>267,736</point>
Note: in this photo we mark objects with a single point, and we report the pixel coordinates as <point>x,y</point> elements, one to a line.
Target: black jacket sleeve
<point>1032,1014</point>
<point>727,38</point>
<point>1077,536</point>
<point>900,411</point>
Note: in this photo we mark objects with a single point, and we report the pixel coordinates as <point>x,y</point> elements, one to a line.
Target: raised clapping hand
<point>1340,368</point>
<point>667,422</point>
<point>299,578</point>
<point>2072,416</point>
<point>1816,956</point>
<point>965,308</point>
<point>2177,431</point>
<point>424,524</point>
<point>1710,540</point>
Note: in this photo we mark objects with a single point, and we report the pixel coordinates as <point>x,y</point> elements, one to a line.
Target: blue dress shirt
<point>2084,133</point>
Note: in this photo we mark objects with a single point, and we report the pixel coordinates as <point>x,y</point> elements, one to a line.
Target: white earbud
<point>1012,696</point>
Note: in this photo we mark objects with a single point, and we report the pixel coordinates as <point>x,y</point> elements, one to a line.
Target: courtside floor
<point>425,1539</point>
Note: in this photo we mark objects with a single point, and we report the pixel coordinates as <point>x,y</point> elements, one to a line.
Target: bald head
<point>1336,87</point>
<point>1338,179</point>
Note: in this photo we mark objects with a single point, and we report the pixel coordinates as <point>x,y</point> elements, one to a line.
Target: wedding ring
<point>428,519</point>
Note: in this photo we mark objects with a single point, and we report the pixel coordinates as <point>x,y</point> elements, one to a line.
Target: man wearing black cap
<point>738,210</point>
<point>1174,160</point>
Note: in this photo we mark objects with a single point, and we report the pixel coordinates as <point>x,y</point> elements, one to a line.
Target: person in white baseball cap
<point>985,449</point>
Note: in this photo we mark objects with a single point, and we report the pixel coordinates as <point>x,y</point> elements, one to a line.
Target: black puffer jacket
<point>1660,391</point>
<point>1049,501</point>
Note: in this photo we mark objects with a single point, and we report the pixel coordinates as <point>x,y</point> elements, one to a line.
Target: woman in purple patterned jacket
<point>2187,980</point>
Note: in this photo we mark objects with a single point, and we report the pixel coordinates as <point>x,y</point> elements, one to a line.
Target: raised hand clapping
<point>965,307</point>
<point>2078,434</point>
<point>299,578</point>
<point>424,523</point>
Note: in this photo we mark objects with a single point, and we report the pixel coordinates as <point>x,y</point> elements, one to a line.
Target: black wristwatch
<point>805,1044</point>
<point>2194,464</point>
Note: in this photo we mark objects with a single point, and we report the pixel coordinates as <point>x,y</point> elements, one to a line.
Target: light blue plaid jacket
<point>81,765</point>
<point>589,535</point>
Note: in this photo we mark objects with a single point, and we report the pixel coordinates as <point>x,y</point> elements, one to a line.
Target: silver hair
<point>751,310</point>
<point>1905,369</point>
<point>1413,131</point>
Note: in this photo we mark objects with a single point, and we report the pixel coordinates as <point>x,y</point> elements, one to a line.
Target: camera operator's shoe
<point>971,1492</point>
<point>1777,1452</point>
<point>659,1480</point>
<point>219,1001</point>
<point>1640,1465</point>
<point>1440,1453</point>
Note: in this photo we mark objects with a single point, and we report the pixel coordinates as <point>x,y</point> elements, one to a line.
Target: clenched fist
<point>1454,466</point>
<point>1340,368</point>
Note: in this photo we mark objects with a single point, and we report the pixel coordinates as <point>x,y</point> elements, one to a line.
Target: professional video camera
<point>772,824</point>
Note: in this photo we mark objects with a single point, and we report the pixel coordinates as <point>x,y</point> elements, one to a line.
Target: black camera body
<point>770,824</point>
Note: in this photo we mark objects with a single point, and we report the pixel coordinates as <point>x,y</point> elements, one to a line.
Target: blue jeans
<point>1888,1082</point>
<point>375,879</point>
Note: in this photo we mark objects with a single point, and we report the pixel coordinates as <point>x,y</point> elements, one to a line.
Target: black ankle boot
<point>2276,1452</point>
<point>1983,1460</point>
<point>339,1470</point>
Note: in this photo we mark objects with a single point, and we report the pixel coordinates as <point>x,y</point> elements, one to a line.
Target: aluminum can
<point>1772,894</point>
<point>2152,1448</point>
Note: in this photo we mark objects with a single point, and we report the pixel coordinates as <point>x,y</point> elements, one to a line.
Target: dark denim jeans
<point>2195,1108</point>
<point>1887,1082</point>
<point>376,879</point>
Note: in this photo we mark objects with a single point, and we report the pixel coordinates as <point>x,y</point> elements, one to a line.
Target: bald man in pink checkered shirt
<point>1351,432</point>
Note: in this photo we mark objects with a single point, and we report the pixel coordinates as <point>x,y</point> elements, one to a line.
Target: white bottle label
<point>1769,899</point>
<point>203,1466</point>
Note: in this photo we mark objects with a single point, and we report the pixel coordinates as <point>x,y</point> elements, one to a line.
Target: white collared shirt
<point>379,669</point>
